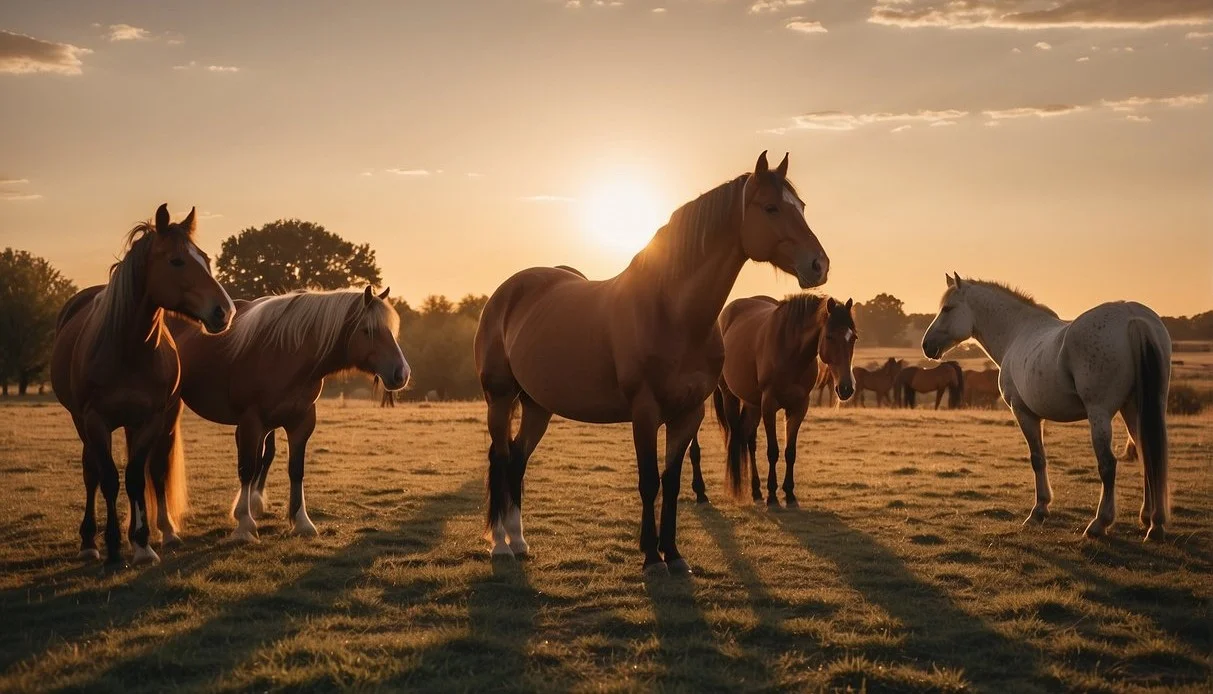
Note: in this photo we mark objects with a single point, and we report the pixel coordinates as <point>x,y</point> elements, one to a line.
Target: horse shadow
<point>938,632</point>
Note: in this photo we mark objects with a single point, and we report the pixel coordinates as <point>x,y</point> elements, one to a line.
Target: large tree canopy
<point>31,294</point>
<point>290,254</point>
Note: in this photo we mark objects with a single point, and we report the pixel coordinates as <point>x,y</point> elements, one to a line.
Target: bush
<point>1184,399</point>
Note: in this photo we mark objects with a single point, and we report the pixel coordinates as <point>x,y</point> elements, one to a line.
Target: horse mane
<point>289,320</point>
<point>118,301</point>
<point>1015,293</point>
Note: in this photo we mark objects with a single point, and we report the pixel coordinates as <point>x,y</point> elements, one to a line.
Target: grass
<point>906,568</point>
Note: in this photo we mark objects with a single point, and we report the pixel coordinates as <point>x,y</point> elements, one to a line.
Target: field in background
<point>905,569</point>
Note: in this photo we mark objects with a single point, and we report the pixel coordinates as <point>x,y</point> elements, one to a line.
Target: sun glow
<point>623,213</point>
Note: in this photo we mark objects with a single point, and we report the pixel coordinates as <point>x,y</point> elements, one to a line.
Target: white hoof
<point>145,555</point>
<point>257,505</point>
<point>303,524</point>
<point>171,541</point>
<point>246,531</point>
<point>519,547</point>
<point>89,555</point>
<point>502,551</point>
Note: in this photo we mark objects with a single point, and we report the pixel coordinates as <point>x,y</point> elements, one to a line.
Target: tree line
<point>291,254</point>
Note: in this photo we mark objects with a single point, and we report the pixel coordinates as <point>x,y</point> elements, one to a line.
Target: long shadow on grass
<point>938,632</point>
<point>204,655</point>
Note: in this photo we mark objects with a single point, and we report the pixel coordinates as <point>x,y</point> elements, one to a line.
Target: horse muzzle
<point>814,272</point>
<point>218,320</point>
<point>398,379</point>
<point>931,350</point>
<point>845,391</point>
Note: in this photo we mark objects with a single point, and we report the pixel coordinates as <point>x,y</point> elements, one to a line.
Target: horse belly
<point>569,377</point>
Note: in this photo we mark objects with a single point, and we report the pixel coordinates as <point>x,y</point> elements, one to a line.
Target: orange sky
<point>1063,146</point>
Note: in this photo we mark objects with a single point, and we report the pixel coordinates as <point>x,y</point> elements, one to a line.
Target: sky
<point>1063,146</point>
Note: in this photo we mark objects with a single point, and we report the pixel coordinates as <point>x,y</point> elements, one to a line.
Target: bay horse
<point>880,381</point>
<point>114,365</point>
<point>268,371</point>
<point>912,380</point>
<point>771,353</point>
<point>641,347</point>
<point>1113,358</point>
<point>981,388</point>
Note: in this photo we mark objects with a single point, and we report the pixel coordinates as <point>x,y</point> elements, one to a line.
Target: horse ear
<point>383,294</point>
<point>951,282</point>
<point>956,276</point>
<point>831,304</point>
<point>762,166</point>
<point>189,222</point>
<point>162,218</point>
<point>367,295</point>
<point>850,303</point>
<point>782,169</point>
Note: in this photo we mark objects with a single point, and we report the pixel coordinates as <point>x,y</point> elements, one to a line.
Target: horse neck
<point>998,320</point>
<point>130,334</point>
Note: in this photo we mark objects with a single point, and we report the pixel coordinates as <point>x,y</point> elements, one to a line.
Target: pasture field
<point>905,569</point>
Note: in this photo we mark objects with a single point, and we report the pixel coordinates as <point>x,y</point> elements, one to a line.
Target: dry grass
<point>905,570</point>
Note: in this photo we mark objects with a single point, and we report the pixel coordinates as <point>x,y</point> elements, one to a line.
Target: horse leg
<point>938,397</point>
<point>769,409</point>
<point>500,411</point>
<point>750,417</point>
<point>139,444</point>
<point>531,429</point>
<point>645,421</point>
<point>701,496</point>
<point>258,504</point>
<point>1030,425</point>
<point>1101,441</point>
<point>88,526</point>
<point>678,433</point>
<point>297,437</point>
<point>97,441</point>
<point>1132,423</point>
<point>160,464</point>
<point>791,433</point>
<point>250,434</point>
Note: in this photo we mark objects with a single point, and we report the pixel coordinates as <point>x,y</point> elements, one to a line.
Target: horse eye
<point>946,309</point>
<point>772,209</point>
<point>177,262</point>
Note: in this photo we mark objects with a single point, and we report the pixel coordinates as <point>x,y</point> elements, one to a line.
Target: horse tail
<point>498,482</point>
<point>718,406</point>
<point>1152,379</point>
<point>176,493</point>
<point>735,470</point>
<point>956,390</point>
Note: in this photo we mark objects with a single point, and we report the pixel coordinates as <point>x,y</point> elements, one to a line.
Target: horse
<point>878,380</point>
<point>268,371</point>
<point>114,365</point>
<point>948,376</point>
<point>641,347</point>
<point>825,387</point>
<point>981,388</point>
<point>771,363</point>
<point>1115,357</point>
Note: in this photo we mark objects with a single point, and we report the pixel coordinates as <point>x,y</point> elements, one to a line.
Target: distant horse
<point>825,388</point>
<point>770,364</point>
<point>114,365</point>
<point>981,388</point>
<point>268,371</point>
<point>641,347</point>
<point>879,380</point>
<point>912,380</point>
<point>1113,358</point>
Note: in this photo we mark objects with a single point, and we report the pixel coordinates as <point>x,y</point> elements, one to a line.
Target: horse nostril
<point>219,316</point>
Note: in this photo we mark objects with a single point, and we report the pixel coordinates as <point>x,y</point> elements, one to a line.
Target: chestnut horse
<point>948,376</point>
<point>1113,358</point>
<point>981,388</point>
<point>878,380</point>
<point>114,365</point>
<point>771,352</point>
<point>641,347</point>
<point>268,371</point>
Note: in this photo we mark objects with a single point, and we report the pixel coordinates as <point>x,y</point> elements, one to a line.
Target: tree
<point>290,254</point>
<point>881,320</point>
<point>471,306</point>
<point>31,294</point>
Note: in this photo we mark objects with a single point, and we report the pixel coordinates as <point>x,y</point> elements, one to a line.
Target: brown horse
<point>981,388</point>
<point>114,365</point>
<point>771,363</point>
<point>641,347</point>
<point>878,380</point>
<point>948,376</point>
<point>268,371</point>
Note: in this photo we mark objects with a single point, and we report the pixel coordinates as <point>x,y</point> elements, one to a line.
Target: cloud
<point>804,26</point>
<point>1133,103</point>
<point>21,54</point>
<point>1050,111</point>
<point>1042,14</point>
<point>14,196</point>
<point>209,68</point>
<point>209,215</point>
<point>901,128</point>
<point>12,181</point>
<point>1083,59</point>
<point>126,32</point>
<point>839,120</point>
<point>408,172</point>
<point>546,198</point>
<point>1134,118</point>
<point>659,10</point>
<point>767,6</point>
<point>1041,45</point>
<point>222,68</point>
<point>942,123</point>
<point>573,4</point>
<point>1198,35</point>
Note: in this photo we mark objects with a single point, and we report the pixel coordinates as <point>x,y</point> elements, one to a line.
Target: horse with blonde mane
<point>268,371</point>
<point>641,347</point>
<point>771,363</point>
<point>114,365</point>
<point>1113,358</point>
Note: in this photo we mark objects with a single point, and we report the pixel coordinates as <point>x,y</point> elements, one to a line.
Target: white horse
<point>1114,357</point>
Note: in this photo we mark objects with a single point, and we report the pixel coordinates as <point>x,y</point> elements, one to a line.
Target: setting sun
<point>623,213</point>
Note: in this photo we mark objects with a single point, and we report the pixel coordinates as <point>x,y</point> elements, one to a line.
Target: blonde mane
<point>116,304</point>
<point>290,321</point>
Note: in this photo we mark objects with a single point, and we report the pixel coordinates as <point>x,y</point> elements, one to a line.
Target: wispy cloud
<point>1035,14</point>
<point>221,69</point>
<point>21,54</point>
<point>1135,103</point>
<point>1043,46</point>
<point>840,120</point>
<point>659,10</point>
<point>12,181</point>
<point>768,6</point>
<point>804,26</point>
<point>409,172</point>
<point>16,196</point>
<point>901,128</point>
<point>546,198</point>
<point>1134,118</point>
<point>1049,111</point>
<point>209,215</point>
<point>1198,35</point>
<point>126,32</point>
<point>1084,59</point>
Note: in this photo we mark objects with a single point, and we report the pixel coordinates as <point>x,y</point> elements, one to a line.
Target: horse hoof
<point>1036,518</point>
<point>241,536</point>
<point>501,551</point>
<point>1156,533</point>
<point>171,541</point>
<point>520,550</point>
<point>701,499</point>
<point>656,570</point>
<point>90,554</point>
<point>304,530</point>
<point>792,502</point>
<point>679,567</point>
<point>1095,530</point>
<point>773,501</point>
<point>145,556</point>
